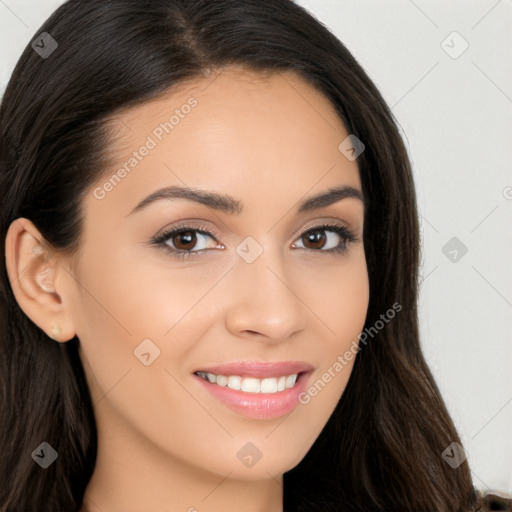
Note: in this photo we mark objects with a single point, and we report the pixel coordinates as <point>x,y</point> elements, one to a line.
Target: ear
<point>37,280</point>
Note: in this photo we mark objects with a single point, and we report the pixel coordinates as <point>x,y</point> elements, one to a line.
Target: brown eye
<point>330,239</point>
<point>185,241</point>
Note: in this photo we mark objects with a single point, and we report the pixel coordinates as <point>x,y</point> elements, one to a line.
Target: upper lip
<point>257,369</point>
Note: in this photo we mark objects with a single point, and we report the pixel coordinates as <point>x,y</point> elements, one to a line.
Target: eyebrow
<point>232,206</point>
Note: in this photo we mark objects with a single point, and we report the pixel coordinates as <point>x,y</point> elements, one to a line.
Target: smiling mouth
<point>266,385</point>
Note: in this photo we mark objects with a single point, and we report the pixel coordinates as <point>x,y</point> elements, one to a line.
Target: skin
<point>165,444</point>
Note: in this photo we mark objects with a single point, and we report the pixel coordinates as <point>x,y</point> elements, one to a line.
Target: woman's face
<point>263,288</point>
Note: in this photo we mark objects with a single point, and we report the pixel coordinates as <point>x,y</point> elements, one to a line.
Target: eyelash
<point>346,234</point>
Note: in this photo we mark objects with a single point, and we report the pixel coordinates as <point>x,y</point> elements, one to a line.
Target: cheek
<point>136,298</point>
<point>337,295</point>
<point>339,299</point>
<point>122,302</point>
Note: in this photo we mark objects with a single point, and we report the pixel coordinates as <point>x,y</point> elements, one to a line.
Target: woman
<point>210,274</point>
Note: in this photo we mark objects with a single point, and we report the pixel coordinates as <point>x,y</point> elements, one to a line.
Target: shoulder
<point>490,501</point>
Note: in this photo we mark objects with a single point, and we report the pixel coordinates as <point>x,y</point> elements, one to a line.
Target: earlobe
<point>32,269</point>
<point>56,332</point>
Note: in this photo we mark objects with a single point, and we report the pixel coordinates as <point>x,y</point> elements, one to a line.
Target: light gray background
<point>455,113</point>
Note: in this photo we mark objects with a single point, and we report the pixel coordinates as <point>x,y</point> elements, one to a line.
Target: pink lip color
<point>259,405</point>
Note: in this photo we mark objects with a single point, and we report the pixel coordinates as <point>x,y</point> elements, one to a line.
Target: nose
<point>263,300</point>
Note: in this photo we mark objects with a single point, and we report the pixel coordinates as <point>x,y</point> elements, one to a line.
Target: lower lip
<point>259,405</point>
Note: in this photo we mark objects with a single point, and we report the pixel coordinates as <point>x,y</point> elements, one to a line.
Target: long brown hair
<point>381,449</point>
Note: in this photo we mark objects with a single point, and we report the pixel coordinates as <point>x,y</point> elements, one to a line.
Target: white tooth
<point>269,385</point>
<point>251,385</point>
<point>222,380</point>
<point>290,380</point>
<point>234,382</point>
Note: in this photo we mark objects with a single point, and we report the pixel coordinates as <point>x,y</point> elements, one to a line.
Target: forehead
<point>234,130</point>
